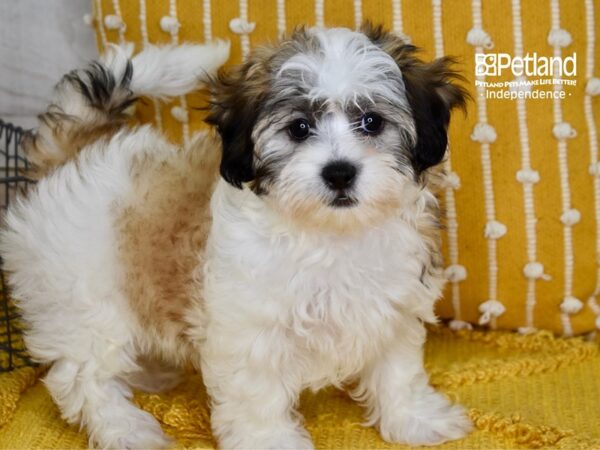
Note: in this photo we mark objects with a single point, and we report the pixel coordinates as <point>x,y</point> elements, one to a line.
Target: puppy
<point>313,260</point>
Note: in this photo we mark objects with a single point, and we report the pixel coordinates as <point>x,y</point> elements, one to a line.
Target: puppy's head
<point>334,128</point>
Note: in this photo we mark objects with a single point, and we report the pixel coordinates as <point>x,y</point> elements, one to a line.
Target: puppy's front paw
<point>290,439</point>
<point>430,421</point>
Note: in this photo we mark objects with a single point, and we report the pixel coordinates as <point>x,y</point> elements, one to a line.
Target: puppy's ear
<point>237,96</point>
<point>432,92</point>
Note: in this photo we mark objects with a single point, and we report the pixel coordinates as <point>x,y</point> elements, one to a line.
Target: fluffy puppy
<point>313,260</point>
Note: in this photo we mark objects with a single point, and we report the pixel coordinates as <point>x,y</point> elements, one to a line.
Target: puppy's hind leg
<point>89,337</point>
<point>94,395</point>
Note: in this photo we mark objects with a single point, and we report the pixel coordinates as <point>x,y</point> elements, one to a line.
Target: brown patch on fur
<point>162,234</point>
<point>59,139</point>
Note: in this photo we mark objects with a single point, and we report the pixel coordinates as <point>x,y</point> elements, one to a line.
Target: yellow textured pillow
<point>523,191</point>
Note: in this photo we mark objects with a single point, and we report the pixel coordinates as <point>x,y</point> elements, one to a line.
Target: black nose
<point>339,174</point>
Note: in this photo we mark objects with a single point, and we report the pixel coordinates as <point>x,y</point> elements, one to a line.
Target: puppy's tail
<point>94,102</point>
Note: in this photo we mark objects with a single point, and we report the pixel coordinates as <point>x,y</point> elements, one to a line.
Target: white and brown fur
<point>131,250</point>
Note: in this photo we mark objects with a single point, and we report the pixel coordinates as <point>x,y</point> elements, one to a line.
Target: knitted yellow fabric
<point>522,232</point>
<point>532,391</point>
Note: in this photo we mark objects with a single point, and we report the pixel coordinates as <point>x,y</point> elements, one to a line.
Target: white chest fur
<point>336,299</point>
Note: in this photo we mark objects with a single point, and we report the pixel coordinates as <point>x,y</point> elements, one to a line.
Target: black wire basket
<point>13,166</point>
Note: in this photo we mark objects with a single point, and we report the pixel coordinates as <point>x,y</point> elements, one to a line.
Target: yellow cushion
<point>494,267</point>
<point>522,392</point>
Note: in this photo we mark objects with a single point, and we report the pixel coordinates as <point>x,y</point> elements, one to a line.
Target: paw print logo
<point>485,64</point>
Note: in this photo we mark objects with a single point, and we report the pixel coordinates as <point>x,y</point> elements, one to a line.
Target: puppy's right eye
<point>299,129</point>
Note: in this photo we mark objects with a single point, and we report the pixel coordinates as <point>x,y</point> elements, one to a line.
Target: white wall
<point>40,40</point>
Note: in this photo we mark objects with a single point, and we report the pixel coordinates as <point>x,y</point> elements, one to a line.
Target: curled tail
<point>93,102</point>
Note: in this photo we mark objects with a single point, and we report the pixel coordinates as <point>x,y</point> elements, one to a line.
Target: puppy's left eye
<point>371,123</point>
<point>299,129</point>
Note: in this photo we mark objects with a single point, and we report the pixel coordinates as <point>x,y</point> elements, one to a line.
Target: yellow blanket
<point>532,391</point>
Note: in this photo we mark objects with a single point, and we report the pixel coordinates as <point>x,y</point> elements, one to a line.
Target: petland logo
<point>531,65</point>
<point>530,73</point>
